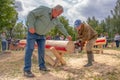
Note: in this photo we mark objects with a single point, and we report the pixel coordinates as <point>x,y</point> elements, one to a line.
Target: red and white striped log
<point>100,41</point>
<point>59,45</point>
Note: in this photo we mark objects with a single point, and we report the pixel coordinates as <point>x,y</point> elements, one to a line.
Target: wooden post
<point>58,56</point>
<point>49,60</point>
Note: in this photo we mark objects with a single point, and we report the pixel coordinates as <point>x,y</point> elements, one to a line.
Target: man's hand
<point>69,38</point>
<point>82,45</point>
<point>32,30</point>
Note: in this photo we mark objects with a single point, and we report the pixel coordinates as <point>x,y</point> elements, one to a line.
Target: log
<point>100,41</point>
<point>60,45</point>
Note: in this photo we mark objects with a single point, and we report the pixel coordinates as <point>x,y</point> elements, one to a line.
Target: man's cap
<point>77,23</point>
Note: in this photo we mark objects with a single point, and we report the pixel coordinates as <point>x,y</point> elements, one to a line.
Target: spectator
<point>48,37</point>
<point>4,41</point>
<point>117,39</point>
<point>57,36</point>
<point>101,35</point>
<point>62,37</point>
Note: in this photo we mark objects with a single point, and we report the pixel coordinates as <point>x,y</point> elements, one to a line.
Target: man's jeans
<point>117,43</point>
<point>4,45</point>
<point>31,39</point>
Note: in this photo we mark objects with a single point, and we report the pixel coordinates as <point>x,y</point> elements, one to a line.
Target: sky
<point>73,9</point>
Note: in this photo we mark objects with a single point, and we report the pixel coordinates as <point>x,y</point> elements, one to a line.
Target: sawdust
<point>105,67</point>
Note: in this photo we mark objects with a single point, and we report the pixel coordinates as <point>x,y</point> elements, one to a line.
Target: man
<point>40,21</point>
<point>4,42</point>
<point>86,34</point>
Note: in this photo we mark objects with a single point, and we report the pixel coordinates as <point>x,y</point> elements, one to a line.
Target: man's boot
<point>90,59</point>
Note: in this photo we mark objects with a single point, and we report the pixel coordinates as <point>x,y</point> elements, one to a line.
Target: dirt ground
<point>105,67</point>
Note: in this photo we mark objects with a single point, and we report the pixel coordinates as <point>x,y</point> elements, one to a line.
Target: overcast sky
<point>73,9</point>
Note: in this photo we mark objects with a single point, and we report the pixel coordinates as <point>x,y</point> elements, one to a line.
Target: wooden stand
<point>58,55</point>
<point>57,47</point>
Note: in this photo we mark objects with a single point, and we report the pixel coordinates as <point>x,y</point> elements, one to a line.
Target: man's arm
<point>60,26</point>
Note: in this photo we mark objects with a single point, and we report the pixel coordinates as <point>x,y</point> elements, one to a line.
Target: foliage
<point>92,22</point>
<point>110,24</point>
<point>95,24</point>
<point>19,31</point>
<point>8,15</point>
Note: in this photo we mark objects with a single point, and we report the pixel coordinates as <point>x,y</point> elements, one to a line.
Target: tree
<point>92,22</point>
<point>8,15</point>
<point>19,31</point>
<point>103,25</point>
<point>116,17</point>
<point>113,22</point>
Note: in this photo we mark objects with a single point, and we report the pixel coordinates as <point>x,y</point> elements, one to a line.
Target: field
<point>105,67</point>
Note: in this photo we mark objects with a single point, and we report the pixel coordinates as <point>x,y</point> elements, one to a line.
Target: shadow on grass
<point>98,71</point>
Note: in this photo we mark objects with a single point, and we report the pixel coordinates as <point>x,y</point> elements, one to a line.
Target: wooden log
<point>61,46</point>
<point>100,41</point>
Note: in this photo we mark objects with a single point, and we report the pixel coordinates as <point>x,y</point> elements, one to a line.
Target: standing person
<point>117,39</point>
<point>86,34</point>
<point>4,41</point>
<point>40,21</point>
<point>62,37</point>
<point>48,37</point>
<point>57,36</point>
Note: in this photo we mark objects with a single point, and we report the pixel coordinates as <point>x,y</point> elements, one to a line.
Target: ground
<point>105,67</point>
